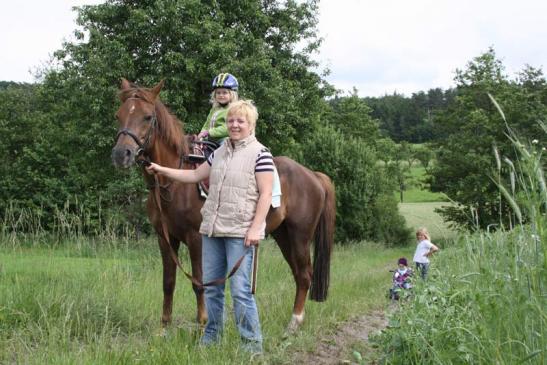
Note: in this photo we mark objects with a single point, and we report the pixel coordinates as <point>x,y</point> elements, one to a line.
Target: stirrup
<point>196,158</point>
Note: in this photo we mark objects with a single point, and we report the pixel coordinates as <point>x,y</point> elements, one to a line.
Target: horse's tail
<point>324,242</point>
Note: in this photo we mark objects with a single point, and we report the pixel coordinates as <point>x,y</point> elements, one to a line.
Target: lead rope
<point>174,256</point>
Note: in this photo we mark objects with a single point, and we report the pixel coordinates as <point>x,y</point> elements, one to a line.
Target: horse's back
<point>302,194</point>
<point>291,172</point>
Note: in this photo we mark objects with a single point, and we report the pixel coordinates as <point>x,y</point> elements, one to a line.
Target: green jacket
<point>216,124</point>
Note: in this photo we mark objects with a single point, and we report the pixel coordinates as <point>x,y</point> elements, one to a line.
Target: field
<point>419,206</point>
<point>423,214</point>
<point>82,300</point>
<point>98,301</point>
<point>92,302</point>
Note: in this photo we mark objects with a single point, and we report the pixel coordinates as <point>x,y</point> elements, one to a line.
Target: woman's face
<point>238,127</point>
<point>222,96</point>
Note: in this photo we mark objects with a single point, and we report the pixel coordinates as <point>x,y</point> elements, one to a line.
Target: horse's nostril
<point>127,153</point>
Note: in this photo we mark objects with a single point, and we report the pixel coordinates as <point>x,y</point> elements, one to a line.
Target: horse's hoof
<point>294,325</point>
<point>162,333</point>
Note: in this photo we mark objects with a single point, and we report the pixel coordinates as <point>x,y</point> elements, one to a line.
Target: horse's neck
<point>166,157</point>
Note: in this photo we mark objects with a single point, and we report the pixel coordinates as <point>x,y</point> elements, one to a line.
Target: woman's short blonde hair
<point>244,108</point>
<point>233,97</point>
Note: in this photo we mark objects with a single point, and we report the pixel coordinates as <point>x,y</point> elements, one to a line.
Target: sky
<point>376,46</point>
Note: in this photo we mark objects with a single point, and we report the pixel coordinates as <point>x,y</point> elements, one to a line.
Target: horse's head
<point>137,120</point>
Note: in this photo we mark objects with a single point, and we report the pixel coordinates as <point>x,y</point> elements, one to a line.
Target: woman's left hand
<point>252,238</point>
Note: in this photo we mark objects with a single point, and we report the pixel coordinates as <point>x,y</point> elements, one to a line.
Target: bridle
<point>141,156</point>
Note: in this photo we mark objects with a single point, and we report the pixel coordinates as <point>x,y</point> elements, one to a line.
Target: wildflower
<point>535,141</point>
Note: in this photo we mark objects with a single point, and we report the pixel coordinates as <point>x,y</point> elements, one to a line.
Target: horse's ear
<point>125,84</point>
<point>156,89</point>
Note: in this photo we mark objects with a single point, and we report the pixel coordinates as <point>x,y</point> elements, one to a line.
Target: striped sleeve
<point>264,162</point>
<point>210,158</point>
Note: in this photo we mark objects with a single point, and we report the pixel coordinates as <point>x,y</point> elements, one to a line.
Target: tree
<point>267,44</point>
<point>385,149</point>
<point>351,116</point>
<point>473,126</point>
<point>424,154</point>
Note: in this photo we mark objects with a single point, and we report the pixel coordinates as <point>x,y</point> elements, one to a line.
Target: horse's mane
<point>170,128</point>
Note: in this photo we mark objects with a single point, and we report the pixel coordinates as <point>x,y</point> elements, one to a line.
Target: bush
<point>366,208</point>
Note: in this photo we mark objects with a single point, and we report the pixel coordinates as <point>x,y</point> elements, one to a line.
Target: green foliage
<point>267,45</point>
<point>485,301</point>
<point>58,134</point>
<point>424,154</point>
<point>473,127</point>
<point>351,117</point>
<point>365,206</point>
<point>410,119</point>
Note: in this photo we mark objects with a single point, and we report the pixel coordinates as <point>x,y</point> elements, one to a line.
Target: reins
<point>143,160</point>
<point>165,241</point>
<point>196,282</point>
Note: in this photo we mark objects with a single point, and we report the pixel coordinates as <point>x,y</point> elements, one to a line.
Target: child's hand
<point>203,134</point>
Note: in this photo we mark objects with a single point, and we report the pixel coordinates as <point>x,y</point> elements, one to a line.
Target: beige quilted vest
<point>233,193</point>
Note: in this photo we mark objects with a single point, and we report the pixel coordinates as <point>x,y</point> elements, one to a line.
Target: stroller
<point>402,280</point>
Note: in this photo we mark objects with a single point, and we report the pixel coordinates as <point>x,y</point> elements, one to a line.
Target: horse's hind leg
<point>169,281</point>
<point>295,248</point>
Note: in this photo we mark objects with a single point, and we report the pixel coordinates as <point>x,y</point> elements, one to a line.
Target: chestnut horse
<point>307,208</point>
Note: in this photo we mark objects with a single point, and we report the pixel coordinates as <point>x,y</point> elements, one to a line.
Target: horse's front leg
<point>169,280</point>
<point>194,249</point>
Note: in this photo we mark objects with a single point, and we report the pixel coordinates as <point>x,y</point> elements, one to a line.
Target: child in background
<point>423,251</point>
<point>401,279</point>
<point>224,93</point>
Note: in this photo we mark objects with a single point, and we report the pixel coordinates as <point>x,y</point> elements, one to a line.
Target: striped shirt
<point>264,161</point>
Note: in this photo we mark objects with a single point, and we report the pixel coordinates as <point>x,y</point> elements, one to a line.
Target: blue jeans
<point>422,268</point>
<point>220,254</point>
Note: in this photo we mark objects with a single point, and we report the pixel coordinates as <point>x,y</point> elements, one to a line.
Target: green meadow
<point>83,301</point>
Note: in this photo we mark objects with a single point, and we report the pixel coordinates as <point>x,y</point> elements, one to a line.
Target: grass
<point>417,191</point>
<point>93,302</point>
<point>486,297</point>
<point>423,214</point>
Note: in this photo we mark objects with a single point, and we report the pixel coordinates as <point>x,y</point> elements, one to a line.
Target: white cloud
<point>378,46</point>
<point>406,46</point>
<point>31,30</point>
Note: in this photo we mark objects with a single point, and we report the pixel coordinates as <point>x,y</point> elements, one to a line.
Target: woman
<point>234,219</point>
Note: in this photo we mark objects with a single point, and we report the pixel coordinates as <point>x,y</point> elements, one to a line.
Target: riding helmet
<point>225,81</point>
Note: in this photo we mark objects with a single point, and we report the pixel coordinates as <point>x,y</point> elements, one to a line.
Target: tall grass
<point>72,221</point>
<point>486,298</point>
<point>85,302</point>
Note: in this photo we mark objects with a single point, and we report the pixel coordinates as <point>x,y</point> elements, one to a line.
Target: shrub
<point>366,209</point>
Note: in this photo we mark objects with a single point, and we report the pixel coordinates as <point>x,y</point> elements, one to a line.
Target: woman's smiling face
<point>238,127</point>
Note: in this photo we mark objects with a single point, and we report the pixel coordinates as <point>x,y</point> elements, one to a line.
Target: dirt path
<point>349,342</point>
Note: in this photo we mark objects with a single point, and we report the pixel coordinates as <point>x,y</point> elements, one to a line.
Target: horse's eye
<point>148,118</point>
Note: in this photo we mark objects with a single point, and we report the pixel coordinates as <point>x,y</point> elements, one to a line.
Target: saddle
<point>201,150</point>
